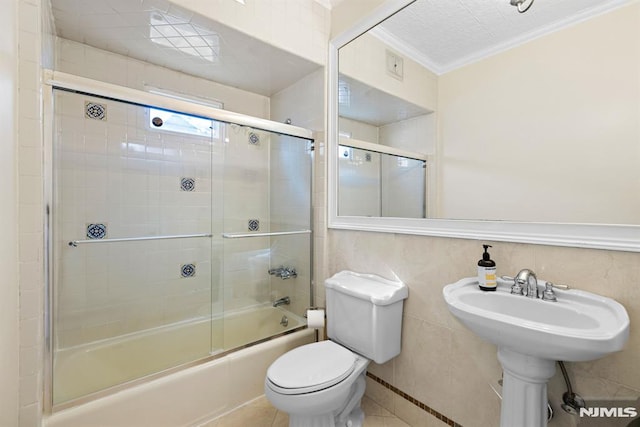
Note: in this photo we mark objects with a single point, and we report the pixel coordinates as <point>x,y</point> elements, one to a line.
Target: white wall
<point>346,13</point>
<point>558,116</point>
<point>9,369</point>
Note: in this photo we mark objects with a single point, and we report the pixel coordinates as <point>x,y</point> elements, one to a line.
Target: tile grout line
<point>415,401</point>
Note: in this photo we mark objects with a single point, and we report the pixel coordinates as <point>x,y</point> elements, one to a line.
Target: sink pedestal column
<point>524,389</point>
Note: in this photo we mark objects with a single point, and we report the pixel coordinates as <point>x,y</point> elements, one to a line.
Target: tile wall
<point>32,35</point>
<point>302,104</point>
<point>246,163</point>
<point>35,32</point>
<point>443,364</point>
<point>267,189</point>
<point>118,176</point>
<point>125,178</point>
<point>246,198</point>
<point>93,63</point>
<point>291,160</point>
<point>86,61</point>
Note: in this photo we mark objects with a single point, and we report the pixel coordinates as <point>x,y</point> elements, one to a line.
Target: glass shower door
<point>135,267</point>
<point>267,234</point>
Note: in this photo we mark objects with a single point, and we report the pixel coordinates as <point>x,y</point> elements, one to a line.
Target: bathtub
<point>183,397</point>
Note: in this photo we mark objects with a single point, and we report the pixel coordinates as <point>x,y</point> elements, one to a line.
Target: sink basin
<point>579,326</point>
<point>532,334</point>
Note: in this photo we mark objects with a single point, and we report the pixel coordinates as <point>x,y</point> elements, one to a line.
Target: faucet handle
<point>516,288</point>
<point>548,294</point>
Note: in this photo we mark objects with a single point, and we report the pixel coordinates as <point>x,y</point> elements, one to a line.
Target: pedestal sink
<point>532,334</point>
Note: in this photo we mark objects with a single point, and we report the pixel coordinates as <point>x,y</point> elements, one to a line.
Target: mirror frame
<point>620,237</point>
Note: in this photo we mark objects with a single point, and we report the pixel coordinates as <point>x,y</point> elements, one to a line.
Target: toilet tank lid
<point>378,290</point>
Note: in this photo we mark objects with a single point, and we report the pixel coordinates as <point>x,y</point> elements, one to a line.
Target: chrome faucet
<point>526,278</point>
<point>282,301</point>
<point>283,272</point>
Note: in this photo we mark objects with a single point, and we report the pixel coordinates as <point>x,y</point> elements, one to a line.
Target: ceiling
<point>161,33</point>
<point>441,35</point>
<point>444,35</point>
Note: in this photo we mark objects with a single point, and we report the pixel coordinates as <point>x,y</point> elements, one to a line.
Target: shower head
<point>522,5</point>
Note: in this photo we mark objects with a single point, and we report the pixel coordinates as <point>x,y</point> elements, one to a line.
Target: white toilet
<point>321,384</point>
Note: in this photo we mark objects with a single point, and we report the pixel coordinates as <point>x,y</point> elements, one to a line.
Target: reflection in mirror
<point>524,117</point>
<point>374,108</point>
<point>380,184</point>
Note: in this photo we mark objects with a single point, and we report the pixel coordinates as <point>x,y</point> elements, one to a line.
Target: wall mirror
<point>527,124</point>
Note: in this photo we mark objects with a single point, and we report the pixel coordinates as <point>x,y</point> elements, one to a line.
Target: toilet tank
<point>364,313</point>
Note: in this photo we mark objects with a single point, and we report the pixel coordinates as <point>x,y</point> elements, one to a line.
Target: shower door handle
<point>275,233</point>
<point>75,243</point>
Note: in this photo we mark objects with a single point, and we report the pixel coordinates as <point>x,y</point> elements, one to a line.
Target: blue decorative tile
<point>254,139</point>
<point>187,184</point>
<point>188,270</point>
<point>95,111</point>
<point>254,225</point>
<point>96,231</point>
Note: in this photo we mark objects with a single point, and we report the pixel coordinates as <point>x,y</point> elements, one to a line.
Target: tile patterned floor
<point>260,413</point>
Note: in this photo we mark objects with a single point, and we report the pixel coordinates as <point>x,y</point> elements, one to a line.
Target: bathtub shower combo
<point>178,233</point>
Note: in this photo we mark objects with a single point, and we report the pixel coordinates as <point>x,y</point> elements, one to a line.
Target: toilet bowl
<point>322,384</point>
<point>318,384</point>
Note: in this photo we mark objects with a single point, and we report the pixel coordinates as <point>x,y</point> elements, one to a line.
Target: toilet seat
<point>310,368</point>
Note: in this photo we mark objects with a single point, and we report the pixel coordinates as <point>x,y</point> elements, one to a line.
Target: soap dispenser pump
<point>487,271</point>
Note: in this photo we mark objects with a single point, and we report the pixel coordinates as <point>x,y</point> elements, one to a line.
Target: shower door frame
<point>82,85</point>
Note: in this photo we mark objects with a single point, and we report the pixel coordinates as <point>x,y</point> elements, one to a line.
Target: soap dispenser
<point>487,271</point>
